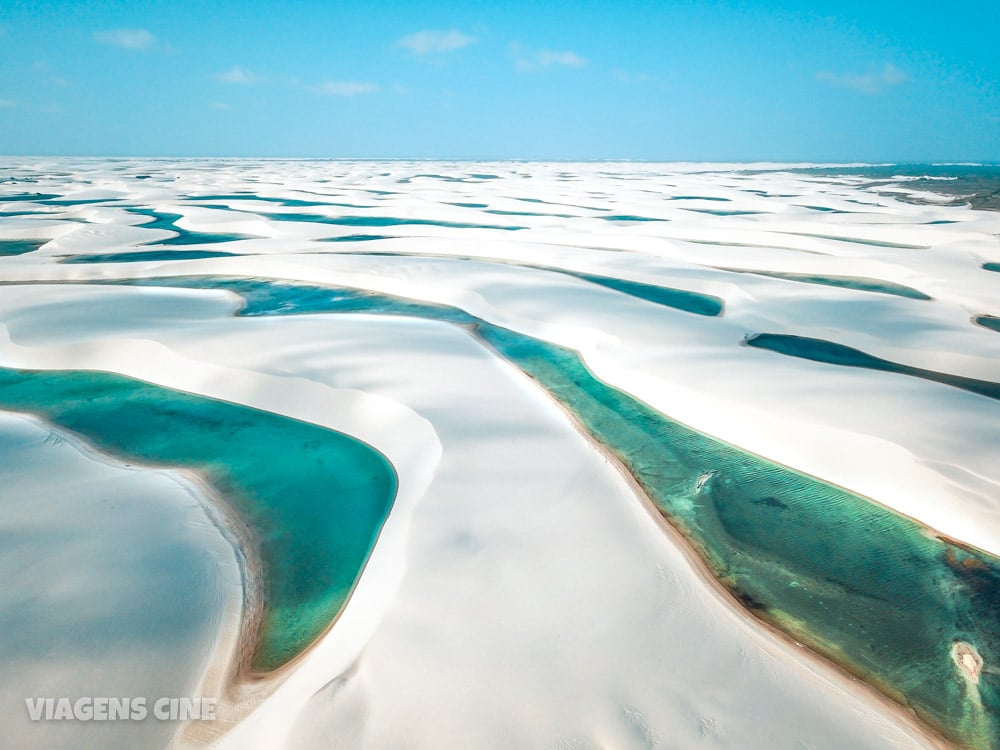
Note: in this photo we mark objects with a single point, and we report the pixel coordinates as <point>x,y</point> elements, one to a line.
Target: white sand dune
<point>521,594</point>
<point>116,583</point>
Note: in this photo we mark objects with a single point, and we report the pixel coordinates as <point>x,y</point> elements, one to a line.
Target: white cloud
<point>428,42</point>
<point>873,82</point>
<point>42,66</point>
<point>237,74</point>
<point>137,39</point>
<point>570,59</point>
<point>345,88</point>
<point>625,77</point>
<point>528,60</point>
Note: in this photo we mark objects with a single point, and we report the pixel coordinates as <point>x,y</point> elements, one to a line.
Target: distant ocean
<point>964,183</point>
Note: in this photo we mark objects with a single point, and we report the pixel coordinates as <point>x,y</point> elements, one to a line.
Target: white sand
<point>521,595</point>
<point>115,584</point>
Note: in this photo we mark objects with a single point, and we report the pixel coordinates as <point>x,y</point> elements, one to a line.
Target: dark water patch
<point>864,203</point>
<point>271,297</point>
<point>828,352</point>
<point>499,212</point>
<point>751,245</point>
<point>479,176</point>
<point>314,499</point>
<point>33,197</point>
<point>988,321</point>
<point>380,221</point>
<point>310,204</point>
<point>723,212</point>
<point>772,502</point>
<point>289,202</point>
<point>357,238</point>
<point>80,202</point>
<point>678,299</point>
<point>184,236</point>
<point>139,256</point>
<point>469,205</point>
<point>826,209</point>
<point>867,588</point>
<point>442,177</point>
<point>570,205</point>
<point>703,197</point>
<point>992,267</point>
<point>19,247</point>
<point>627,217</point>
<point>860,241</point>
<point>766,194</point>
<point>941,221</point>
<point>859,283</point>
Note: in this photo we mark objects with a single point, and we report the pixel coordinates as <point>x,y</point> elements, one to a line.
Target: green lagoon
<point>869,589</point>
<point>315,499</point>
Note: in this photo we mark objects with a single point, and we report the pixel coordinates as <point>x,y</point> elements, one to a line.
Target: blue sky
<point>845,81</point>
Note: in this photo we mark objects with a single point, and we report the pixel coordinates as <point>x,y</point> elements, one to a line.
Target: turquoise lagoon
<point>679,299</point>
<point>139,256</point>
<point>161,220</point>
<point>871,590</point>
<point>989,321</point>
<point>379,221</point>
<point>314,499</point>
<point>828,352</point>
<point>19,247</point>
<point>858,283</point>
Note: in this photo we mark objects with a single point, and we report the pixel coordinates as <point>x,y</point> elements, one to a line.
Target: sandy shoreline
<point>189,504</point>
<point>198,735</point>
<point>845,678</point>
<point>227,676</point>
